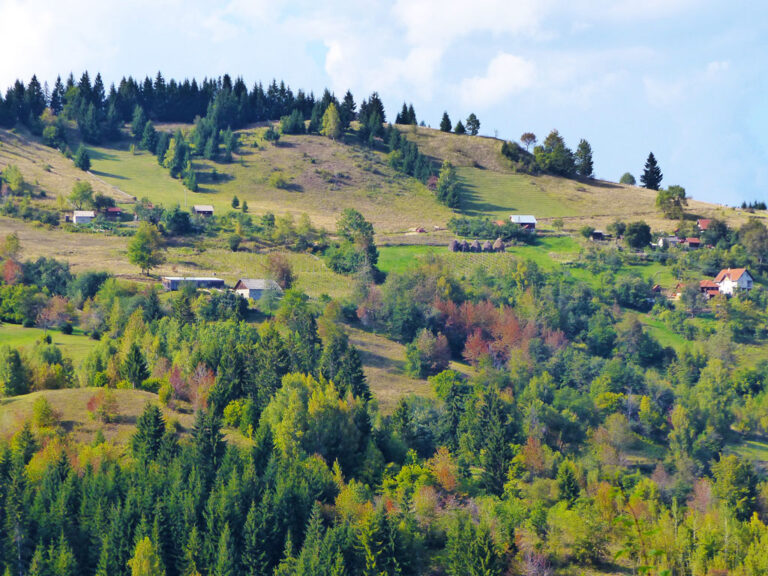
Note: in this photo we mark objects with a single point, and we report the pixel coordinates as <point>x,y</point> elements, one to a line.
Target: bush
<point>234,242</point>
<point>43,414</point>
<point>427,354</point>
<point>165,393</point>
<point>151,385</point>
<point>279,180</point>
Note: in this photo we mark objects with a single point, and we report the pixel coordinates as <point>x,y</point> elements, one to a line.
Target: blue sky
<point>683,78</point>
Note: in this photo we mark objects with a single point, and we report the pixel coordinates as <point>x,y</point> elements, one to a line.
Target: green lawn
<point>139,175</point>
<point>548,253</point>
<point>75,346</point>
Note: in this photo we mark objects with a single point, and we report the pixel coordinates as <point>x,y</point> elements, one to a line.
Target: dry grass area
<point>46,169</point>
<point>461,150</point>
<point>323,178</point>
<point>71,404</point>
<point>384,363</point>
<point>83,251</point>
<point>74,418</point>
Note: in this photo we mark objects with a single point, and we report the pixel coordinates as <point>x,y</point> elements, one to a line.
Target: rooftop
<point>257,284</point>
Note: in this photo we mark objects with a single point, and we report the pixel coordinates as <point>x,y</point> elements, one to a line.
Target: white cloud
<point>507,74</point>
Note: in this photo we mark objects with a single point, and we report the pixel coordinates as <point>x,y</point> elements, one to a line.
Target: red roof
<point>703,223</point>
<point>691,241</point>
<point>732,273</point>
<point>115,210</point>
<point>708,284</point>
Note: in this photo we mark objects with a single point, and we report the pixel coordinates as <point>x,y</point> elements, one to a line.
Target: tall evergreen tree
<point>651,176</point>
<point>473,124</point>
<point>583,159</point>
<point>445,123</point>
<point>150,427</point>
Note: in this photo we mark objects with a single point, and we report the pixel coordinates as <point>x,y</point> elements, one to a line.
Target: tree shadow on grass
<point>100,155</point>
<point>108,175</point>
<point>473,205</point>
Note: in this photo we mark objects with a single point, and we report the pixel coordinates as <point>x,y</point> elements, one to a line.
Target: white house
<point>732,280</point>
<point>83,216</point>
<point>524,220</point>
<point>254,288</point>
<point>668,241</point>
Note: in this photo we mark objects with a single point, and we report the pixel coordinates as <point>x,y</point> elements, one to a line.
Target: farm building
<point>709,288</point>
<point>83,216</point>
<point>524,220</point>
<point>203,210</point>
<point>113,213</point>
<point>703,224</point>
<point>254,288</point>
<point>175,282</point>
<point>691,243</point>
<point>668,241</point>
<point>732,280</point>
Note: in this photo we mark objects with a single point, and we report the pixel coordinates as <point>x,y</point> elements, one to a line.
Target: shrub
<point>43,414</point>
<point>165,393</point>
<point>278,180</point>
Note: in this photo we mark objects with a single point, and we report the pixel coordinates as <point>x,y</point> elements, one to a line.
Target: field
<point>384,362</point>
<point>75,346</point>
<point>323,178</point>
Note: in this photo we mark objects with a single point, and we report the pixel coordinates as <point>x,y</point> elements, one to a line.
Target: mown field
<point>75,346</point>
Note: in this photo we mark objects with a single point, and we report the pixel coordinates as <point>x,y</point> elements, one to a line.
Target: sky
<point>685,79</point>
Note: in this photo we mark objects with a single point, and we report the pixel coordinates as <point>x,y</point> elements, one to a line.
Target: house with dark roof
<point>172,283</point>
<point>254,288</point>
<point>732,280</point>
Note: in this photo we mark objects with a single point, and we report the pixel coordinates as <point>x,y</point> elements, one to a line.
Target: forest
<point>574,417</point>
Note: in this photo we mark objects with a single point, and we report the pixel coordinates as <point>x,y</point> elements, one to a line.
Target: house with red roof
<point>703,223</point>
<point>709,288</point>
<point>732,280</point>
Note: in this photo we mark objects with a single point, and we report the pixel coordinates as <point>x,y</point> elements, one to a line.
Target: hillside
<point>323,177</point>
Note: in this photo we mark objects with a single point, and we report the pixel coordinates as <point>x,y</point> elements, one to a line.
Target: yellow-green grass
<point>72,407</point>
<point>384,365</point>
<point>45,169</point>
<point>75,346</point>
<point>547,252</point>
<point>137,174</point>
<point>71,404</point>
<point>754,449</point>
<point>324,177</point>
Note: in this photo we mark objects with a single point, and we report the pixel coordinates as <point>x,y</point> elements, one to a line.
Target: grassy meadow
<point>75,346</point>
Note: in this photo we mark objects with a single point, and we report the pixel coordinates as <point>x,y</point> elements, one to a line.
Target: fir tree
<point>82,159</point>
<point>651,176</point>
<point>445,123</point>
<point>583,159</point>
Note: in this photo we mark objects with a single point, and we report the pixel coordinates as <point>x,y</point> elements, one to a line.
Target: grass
<point>137,175</point>
<point>384,364</point>
<point>71,405</point>
<point>754,449</point>
<point>323,177</point>
<point>75,346</point>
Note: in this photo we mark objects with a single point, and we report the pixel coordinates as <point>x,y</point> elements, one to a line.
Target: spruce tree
<point>150,427</point>
<point>567,485</point>
<point>651,176</point>
<point>82,159</point>
<point>459,129</point>
<point>445,123</point>
<point>139,122</point>
<point>583,159</point>
<point>149,137</point>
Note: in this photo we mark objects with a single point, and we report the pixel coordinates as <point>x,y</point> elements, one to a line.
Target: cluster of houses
<point>86,216</point>
<point>249,288</point>
<point>691,243</point>
<point>728,282</point>
<point>114,213</point>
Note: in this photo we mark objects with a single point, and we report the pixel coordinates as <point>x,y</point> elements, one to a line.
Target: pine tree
<point>459,129</point>
<point>445,123</point>
<point>473,124</point>
<point>82,159</point>
<point>651,176</point>
<point>583,159</point>
<point>145,560</point>
<point>138,123</point>
<point>226,564</point>
<point>567,485</point>
<point>150,428</point>
<point>149,137</point>
<point>411,115</point>
<point>347,111</point>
